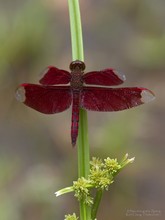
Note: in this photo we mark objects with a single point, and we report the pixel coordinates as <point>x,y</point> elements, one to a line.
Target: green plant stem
<point>76,30</point>
<point>83,146</point>
<point>96,204</point>
<point>83,143</point>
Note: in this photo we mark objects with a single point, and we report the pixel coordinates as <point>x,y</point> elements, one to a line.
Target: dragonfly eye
<point>77,65</point>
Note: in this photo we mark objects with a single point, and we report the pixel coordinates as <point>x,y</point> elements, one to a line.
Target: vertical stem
<point>83,143</point>
<point>76,30</point>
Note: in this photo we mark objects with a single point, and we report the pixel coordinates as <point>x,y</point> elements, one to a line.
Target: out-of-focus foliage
<point>36,157</point>
<point>22,37</point>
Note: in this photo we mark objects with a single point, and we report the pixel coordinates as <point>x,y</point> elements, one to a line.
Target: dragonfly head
<point>77,65</point>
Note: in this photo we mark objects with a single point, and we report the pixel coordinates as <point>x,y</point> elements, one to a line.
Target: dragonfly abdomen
<point>75,117</point>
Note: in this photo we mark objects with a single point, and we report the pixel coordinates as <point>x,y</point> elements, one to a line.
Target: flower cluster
<point>81,189</point>
<point>101,173</point>
<point>101,176</point>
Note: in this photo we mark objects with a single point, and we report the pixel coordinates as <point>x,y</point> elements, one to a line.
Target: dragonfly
<point>58,89</point>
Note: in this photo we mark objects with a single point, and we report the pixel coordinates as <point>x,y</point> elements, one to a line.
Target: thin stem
<point>83,146</point>
<point>83,143</point>
<point>76,30</point>
<point>96,204</point>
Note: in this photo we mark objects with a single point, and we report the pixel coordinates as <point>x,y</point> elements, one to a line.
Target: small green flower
<point>96,163</point>
<point>112,165</point>
<point>81,189</point>
<point>100,178</point>
<point>71,217</point>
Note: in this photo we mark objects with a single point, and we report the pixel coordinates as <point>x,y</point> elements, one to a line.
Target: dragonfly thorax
<point>77,69</point>
<point>76,82</point>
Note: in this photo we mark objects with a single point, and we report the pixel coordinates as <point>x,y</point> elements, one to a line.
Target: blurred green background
<point>36,157</point>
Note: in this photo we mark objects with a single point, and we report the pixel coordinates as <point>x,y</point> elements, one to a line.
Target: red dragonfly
<point>59,89</point>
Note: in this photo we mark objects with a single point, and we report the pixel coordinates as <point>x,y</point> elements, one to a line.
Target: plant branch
<point>96,204</point>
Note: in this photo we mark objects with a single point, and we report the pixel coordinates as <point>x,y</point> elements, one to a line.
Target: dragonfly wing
<point>110,99</point>
<point>53,76</point>
<point>45,99</point>
<point>107,77</point>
